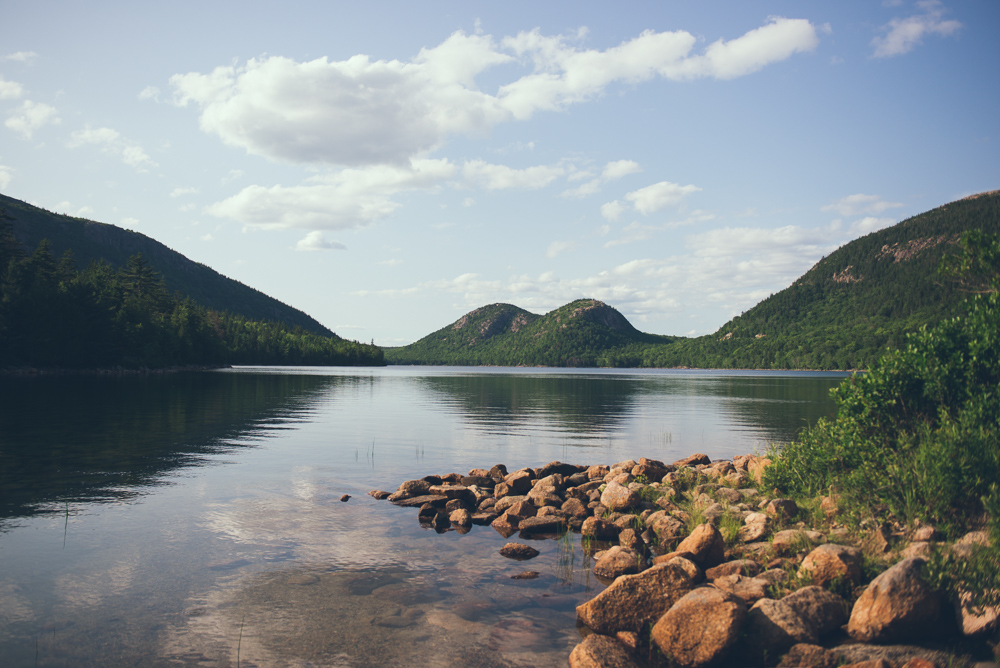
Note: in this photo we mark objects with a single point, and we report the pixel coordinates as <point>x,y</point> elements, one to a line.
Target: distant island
<point>842,314</point>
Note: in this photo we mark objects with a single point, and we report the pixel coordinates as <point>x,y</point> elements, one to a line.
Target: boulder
<point>805,655</point>
<point>618,498</point>
<point>756,466</point>
<point>729,495</point>
<point>831,562</point>
<point>738,567</point>
<point>498,472</point>
<point>521,510</point>
<point>455,492</point>
<point>574,507</point>
<point>410,488</point>
<point>598,529</point>
<point>750,590</point>
<point>597,651</point>
<point>460,517</point>
<point>975,620</point>
<point>516,483</point>
<point>772,627</point>
<point>379,494</point>
<point>700,628</point>
<point>597,472</point>
<point>628,538</point>
<point>822,610</point>
<point>781,509</point>
<point>505,525</point>
<point>693,460</point>
<point>689,567</point>
<point>632,601</point>
<point>533,526</point>
<point>617,561</point>
<point>484,518</point>
<point>436,500</point>
<point>518,551</point>
<point>793,540</point>
<point>897,605</point>
<point>501,505</point>
<point>706,545</point>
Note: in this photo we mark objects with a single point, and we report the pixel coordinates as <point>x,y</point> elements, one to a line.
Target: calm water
<point>195,519</point>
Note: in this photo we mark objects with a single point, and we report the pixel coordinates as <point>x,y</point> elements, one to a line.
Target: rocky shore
<point>705,569</point>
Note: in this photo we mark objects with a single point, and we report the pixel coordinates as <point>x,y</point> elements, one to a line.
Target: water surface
<point>195,519</point>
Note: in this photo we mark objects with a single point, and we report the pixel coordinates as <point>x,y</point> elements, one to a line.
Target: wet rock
<point>478,481</point>
<point>700,628</point>
<point>518,551</point>
<point>772,627</point>
<point>632,601</point>
<point>484,518</point>
<point>564,470</point>
<point>706,546</point>
<point>738,567</point>
<point>533,526</point>
<point>526,575</point>
<point>409,489</point>
<point>379,494</point>
<point>598,651</point>
<point>618,498</point>
<point>505,525</point>
<point>750,590</point>
<point>617,561</point>
<point>897,605</point>
<point>454,504</point>
<point>822,610</point>
<point>498,472</point>
<point>435,500</point>
<point>455,492</point>
<point>693,460</point>
<point>598,529</point>
<point>805,655</point>
<point>831,562</point>
<point>521,510</point>
<point>426,513</point>
<point>506,502</point>
<point>460,517</point>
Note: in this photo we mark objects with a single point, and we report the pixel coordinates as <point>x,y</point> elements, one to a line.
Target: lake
<point>194,519</point>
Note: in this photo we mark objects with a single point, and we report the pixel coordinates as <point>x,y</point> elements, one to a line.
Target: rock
<point>926,533</point>
<point>597,651</point>
<point>498,472</point>
<point>618,498</point>
<point>502,504</point>
<point>917,549</point>
<point>564,470</point>
<point>772,627</point>
<point>630,540</point>
<point>781,509</point>
<point>479,481</point>
<point>963,547</point>
<point>518,551</point>
<point>975,621</point>
<point>750,590</point>
<point>831,562</point>
<point>435,500</point>
<point>617,561</point>
<point>668,529</point>
<point>882,538</point>
<point>533,526</point>
<point>505,525</point>
<point>599,529</point>
<point>526,575</point>
<point>455,504</point>
<point>805,655</point>
<point>706,546</point>
<point>894,654</point>
<point>460,517</point>
<point>693,460</point>
<point>515,484</point>
<point>460,492</point>
<point>897,605</point>
<point>775,576</point>
<point>822,610</point>
<point>632,601</point>
<point>729,495</point>
<point>714,512</point>
<point>700,628</point>
<point>631,641</point>
<point>752,533</point>
<point>689,567</point>
<point>345,498</point>
<point>410,488</point>
<point>828,506</point>
<point>379,494</point>
<point>484,518</point>
<point>793,540</point>
<point>575,508</point>
<point>738,567</point>
<point>550,511</point>
<point>597,472</point>
<point>521,510</point>
<point>756,466</point>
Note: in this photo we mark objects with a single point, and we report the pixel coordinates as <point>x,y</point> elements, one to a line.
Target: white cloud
<point>341,200</point>
<point>659,195</point>
<point>6,174</point>
<point>611,172</point>
<point>854,205</point>
<point>31,116</point>
<point>635,231</point>
<point>468,201</point>
<point>150,93</point>
<point>10,90</point>
<point>557,247</point>
<point>130,223</point>
<point>233,175</point>
<point>869,224</point>
<point>359,112</point>
<point>181,192</point>
<point>903,35</point>
<point>501,177</point>
<point>314,241</point>
<point>613,210</point>
<point>112,143</point>
<point>21,56</point>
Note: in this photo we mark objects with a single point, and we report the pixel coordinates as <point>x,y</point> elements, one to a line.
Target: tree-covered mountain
<point>90,240</point>
<point>841,314</point>
<point>582,333</point>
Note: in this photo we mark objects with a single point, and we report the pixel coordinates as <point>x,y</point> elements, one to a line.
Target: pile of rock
<point>704,569</point>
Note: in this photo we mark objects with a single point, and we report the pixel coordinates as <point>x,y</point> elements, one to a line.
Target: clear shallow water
<point>194,519</point>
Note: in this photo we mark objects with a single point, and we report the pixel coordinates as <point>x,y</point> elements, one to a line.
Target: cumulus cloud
<point>636,231</point>
<point>314,241</point>
<point>903,35</point>
<point>613,210</point>
<point>112,143</point>
<point>501,177</point>
<point>343,200</point>
<point>10,90</point>
<point>611,172</point>
<point>21,56</point>
<point>869,224</point>
<point>181,192</point>
<point>150,93</point>
<point>6,174</point>
<point>854,205</point>
<point>31,116</point>
<point>360,111</point>
<point>659,195</point>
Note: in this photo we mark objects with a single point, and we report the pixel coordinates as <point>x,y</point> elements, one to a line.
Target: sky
<point>389,166</point>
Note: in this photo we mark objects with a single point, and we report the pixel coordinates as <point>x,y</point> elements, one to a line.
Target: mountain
<point>841,314</point>
<point>580,333</point>
<point>91,240</point>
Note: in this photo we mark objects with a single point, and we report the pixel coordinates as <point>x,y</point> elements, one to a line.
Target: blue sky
<point>387,167</point>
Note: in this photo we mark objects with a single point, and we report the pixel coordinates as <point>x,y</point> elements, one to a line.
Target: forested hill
<point>89,240</point>
<point>845,311</point>
<point>581,333</point>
